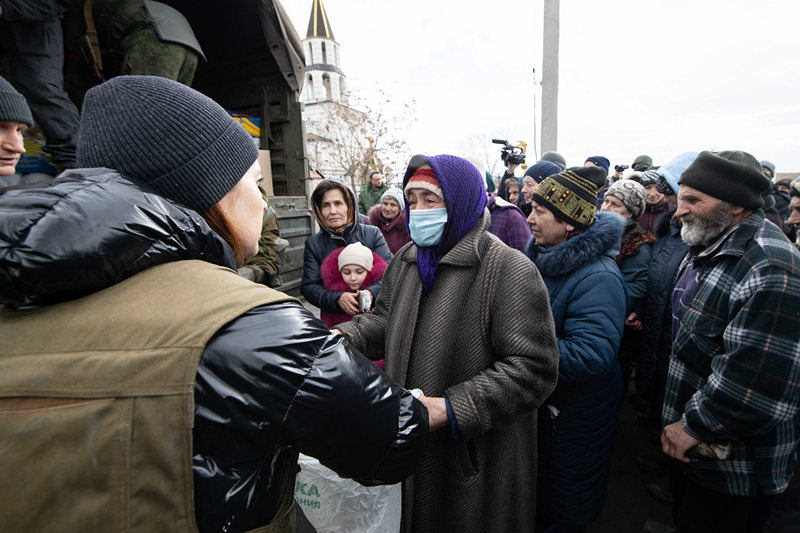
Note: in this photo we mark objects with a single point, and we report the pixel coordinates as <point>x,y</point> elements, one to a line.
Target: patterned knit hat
<point>730,175</point>
<point>161,132</point>
<point>397,195</point>
<point>424,178</point>
<point>356,254</point>
<point>649,177</point>
<point>571,197</point>
<point>631,194</point>
<point>13,106</point>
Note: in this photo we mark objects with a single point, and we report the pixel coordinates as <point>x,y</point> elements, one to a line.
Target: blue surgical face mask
<point>427,225</point>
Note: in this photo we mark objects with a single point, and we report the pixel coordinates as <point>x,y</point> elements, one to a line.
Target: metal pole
<point>550,76</point>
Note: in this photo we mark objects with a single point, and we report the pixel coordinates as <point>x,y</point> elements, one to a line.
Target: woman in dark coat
<point>574,250</point>
<point>334,206</point>
<point>389,216</point>
<point>176,394</point>
<point>441,321</point>
<point>627,198</point>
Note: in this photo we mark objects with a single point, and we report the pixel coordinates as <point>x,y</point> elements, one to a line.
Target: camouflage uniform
<point>263,268</point>
<point>131,45</point>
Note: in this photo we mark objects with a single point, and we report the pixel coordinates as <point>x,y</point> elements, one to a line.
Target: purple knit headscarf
<point>464,192</point>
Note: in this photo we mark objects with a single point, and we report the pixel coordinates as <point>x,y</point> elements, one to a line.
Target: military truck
<point>254,67</point>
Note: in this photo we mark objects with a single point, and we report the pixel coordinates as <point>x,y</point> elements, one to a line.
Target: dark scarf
<point>464,194</point>
<point>632,239</point>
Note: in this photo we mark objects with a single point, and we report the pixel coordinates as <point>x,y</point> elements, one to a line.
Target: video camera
<point>510,154</point>
<point>620,168</point>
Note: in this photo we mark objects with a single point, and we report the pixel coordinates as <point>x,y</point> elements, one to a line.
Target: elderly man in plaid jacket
<point>733,389</point>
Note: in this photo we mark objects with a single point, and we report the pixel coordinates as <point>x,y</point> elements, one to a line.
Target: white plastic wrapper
<point>333,504</point>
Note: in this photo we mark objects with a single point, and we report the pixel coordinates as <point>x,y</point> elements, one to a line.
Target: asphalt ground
<point>629,504</point>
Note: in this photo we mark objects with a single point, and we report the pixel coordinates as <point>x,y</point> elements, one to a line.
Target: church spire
<point>318,25</point>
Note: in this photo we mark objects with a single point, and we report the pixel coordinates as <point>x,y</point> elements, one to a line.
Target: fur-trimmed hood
<point>332,279</point>
<point>600,239</point>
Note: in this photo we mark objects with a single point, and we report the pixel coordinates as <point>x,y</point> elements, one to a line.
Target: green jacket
<point>370,196</point>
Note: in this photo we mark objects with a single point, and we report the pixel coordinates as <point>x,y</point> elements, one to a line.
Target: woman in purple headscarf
<point>465,319</point>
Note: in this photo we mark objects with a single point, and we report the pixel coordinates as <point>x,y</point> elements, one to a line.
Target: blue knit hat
<point>539,171</point>
<point>161,132</point>
<point>600,161</point>
<point>13,106</point>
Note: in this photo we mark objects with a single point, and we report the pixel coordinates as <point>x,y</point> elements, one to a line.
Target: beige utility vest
<point>97,402</point>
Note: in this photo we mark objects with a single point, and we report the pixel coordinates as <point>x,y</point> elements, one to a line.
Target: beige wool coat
<point>484,336</point>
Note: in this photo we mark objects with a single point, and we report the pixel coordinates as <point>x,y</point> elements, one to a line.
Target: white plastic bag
<point>333,504</point>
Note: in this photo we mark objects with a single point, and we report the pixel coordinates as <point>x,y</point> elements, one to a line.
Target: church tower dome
<point>325,80</point>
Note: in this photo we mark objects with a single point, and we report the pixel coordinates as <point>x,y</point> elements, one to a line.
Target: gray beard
<point>704,231</point>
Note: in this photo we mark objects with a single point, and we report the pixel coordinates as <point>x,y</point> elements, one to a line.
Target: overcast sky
<point>646,76</point>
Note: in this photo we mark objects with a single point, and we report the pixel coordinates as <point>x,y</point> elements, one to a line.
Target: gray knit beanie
<point>397,195</point>
<point>730,175</point>
<point>175,139</point>
<point>13,106</point>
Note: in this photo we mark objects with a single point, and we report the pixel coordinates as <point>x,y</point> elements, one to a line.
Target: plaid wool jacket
<point>734,373</point>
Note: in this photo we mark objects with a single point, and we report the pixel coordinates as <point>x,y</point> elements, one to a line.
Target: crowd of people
<point>476,346</point>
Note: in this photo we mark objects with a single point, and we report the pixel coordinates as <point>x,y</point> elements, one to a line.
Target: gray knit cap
<point>397,195</point>
<point>177,140</point>
<point>13,106</point>
<point>631,194</point>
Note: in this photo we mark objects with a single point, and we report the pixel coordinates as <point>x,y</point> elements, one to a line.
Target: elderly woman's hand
<point>437,412</point>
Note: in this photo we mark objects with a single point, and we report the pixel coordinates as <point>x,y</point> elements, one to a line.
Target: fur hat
<point>13,106</point>
<point>397,195</point>
<point>424,178</point>
<point>600,161</point>
<point>731,175</point>
<point>570,196</point>
<point>631,194</point>
<point>356,254</point>
<point>158,131</point>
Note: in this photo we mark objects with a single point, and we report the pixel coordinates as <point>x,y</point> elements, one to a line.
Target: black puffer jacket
<point>270,383</point>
